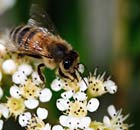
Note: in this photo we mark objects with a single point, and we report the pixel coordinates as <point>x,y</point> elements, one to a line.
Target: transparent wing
<point>40,18</point>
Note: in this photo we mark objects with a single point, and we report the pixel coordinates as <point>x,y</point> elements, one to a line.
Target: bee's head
<point>71,60</point>
<point>68,64</point>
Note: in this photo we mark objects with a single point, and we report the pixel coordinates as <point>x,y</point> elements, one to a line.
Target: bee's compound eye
<point>67,64</point>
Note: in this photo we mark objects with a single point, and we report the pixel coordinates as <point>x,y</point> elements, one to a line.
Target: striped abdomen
<point>27,38</point>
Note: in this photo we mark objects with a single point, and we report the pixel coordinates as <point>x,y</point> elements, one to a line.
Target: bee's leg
<point>39,71</point>
<point>62,74</point>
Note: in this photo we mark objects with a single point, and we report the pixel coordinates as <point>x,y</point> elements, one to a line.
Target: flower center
<point>35,124</point>
<point>77,109</point>
<point>16,105</point>
<point>95,87</point>
<point>30,90</point>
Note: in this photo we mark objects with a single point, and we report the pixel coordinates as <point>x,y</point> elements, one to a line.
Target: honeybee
<point>39,39</point>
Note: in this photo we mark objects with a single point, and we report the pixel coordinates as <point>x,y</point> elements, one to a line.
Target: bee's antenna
<point>81,76</point>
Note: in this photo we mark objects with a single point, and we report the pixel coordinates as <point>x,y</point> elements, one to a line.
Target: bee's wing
<point>40,18</point>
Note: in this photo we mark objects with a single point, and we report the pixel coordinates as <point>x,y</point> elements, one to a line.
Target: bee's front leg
<point>40,72</point>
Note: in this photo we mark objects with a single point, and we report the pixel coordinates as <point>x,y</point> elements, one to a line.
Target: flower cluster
<point>28,97</point>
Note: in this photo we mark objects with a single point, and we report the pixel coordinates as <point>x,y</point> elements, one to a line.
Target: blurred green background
<point>106,34</point>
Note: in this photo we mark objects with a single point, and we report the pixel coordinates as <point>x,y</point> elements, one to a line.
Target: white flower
<point>28,91</point>
<point>57,84</point>
<point>47,127</point>
<point>36,79</point>
<point>83,84</point>
<point>24,119</point>
<point>31,103</point>
<point>66,84</point>
<point>79,102</point>
<point>4,111</point>
<point>110,86</point>
<point>25,68</point>
<point>19,77</point>
<point>1,124</point>
<point>93,104</point>
<point>15,105</point>
<point>112,111</point>
<point>57,127</point>
<point>62,104</point>
<point>15,91</point>
<point>74,123</point>
<point>107,121</point>
<point>117,119</point>
<point>5,5</point>
<point>35,123</point>
<point>81,68</point>
<point>1,92</point>
<point>85,122</point>
<point>76,109</point>
<point>45,95</point>
<point>80,96</point>
<point>9,66</point>
<point>42,113</point>
<point>98,86</point>
<point>67,94</point>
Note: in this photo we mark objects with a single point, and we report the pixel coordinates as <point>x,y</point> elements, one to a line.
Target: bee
<point>39,39</point>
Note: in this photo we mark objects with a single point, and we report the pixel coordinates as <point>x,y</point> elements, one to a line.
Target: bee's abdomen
<point>17,35</point>
<point>14,32</point>
<point>28,38</point>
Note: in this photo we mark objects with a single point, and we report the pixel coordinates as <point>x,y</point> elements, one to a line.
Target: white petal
<point>67,94</point>
<point>31,103</point>
<point>57,127</point>
<point>113,89</point>
<point>42,113</point>
<point>24,119</point>
<point>19,77</point>
<point>4,110</point>
<point>62,104</point>
<point>110,86</point>
<point>1,124</point>
<point>25,68</point>
<point>73,122</point>
<point>111,110</point>
<point>6,113</point>
<point>88,129</point>
<point>15,91</point>
<point>93,104</point>
<point>9,66</point>
<point>81,68</point>
<point>85,122</point>
<point>63,120</point>
<point>106,121</point>
<point>67,121</point>
<point>80,96</point>
<point>0,76</point>
<point>36,79</point>
<point>57,84</point>
<point>47,127</point>
<point>83,84</point>
<point>45,95</point>
<point>1,92</point>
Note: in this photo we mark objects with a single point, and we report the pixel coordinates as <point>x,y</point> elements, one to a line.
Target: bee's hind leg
<point>40,72</point>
